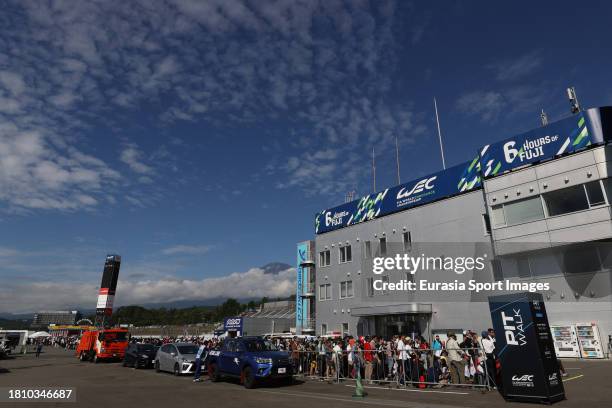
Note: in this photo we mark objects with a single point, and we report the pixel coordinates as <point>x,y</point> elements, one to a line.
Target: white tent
<point>40,334</point>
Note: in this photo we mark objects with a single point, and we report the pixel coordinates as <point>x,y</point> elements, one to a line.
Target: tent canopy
<point>39,334</point>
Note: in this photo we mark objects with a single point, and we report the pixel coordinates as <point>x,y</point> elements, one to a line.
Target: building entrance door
<point>410,324</point>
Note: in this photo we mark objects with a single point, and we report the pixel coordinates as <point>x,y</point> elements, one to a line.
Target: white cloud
<point>133,157</point>
<point>187,250</point>
<point>331,64</point>
<point>518,67</point>
<point>34,296</point>
<point>35,175</point>
<point>13,82</point>
<point>485,104</point>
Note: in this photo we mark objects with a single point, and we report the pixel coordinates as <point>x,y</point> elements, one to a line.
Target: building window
<point>345,254</point>
<point>486,223</point>
<point>518,212</point>
<point>383,246</point>
<point>345,329</point>
<point>325,291</point>
<point>595,193</point>
<point>576,198</point>
<point>325,258</point>
<point>409,277</point>
<point>385,282</point>
<point>323,329</point>
<point>407,238</point>
<point>499,219</point>
<point>346,289</point>
<point>367,249</point>
<point>370,287</point>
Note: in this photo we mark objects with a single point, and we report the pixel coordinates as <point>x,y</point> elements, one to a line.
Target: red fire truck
<point>106,344</point>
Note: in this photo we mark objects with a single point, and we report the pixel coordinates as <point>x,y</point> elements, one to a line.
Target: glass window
<point>325,258</point>
<point>407,238</point>
<point>524,270</point>
<point>566,200</point>
<point>345,329</point>
<point>346,289</point>
<point>383,246</point>
<point>323,329</point>
<point>487,223</point>
<point>580,258</point>
<point>345,254</point>
<point>385,280</point>
<point>368,249</point>
<point>409,277</point>
<point>370,287</point>
<point>524,211</point>
<point>325,292</point>
<point>594,193</point>
<point>499,218</point>
<point>188,349</point>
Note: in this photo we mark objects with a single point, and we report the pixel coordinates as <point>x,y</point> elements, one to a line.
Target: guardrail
<point>420,368</point>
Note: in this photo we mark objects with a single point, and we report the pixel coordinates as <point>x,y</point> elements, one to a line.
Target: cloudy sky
<point>198,138</point>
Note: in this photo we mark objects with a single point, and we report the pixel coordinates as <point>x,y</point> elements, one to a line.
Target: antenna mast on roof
<point>571,95</point>
<point>399,179</point>
<point>544,118</point>
<point>373,171</point>
<point>350,196</point>
<point>439,134</point>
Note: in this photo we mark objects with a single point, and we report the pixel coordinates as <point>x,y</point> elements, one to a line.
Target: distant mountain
<point>275,267</point>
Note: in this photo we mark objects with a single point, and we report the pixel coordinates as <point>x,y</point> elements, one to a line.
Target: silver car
<point>177,358</point>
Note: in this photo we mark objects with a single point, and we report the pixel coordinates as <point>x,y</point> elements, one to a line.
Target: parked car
<point>139,355</point>
<point>252,359</point>
<point>177,358</point>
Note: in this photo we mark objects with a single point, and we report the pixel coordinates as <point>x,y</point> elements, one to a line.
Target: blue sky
<point>198,139</point>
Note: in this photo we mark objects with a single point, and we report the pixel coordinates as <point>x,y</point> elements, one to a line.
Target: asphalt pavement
<point>110,384</point>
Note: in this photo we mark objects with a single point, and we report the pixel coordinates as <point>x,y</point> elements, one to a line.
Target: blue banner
<point>450,182</point>
<point>566,136</point>
<point>545,143</point>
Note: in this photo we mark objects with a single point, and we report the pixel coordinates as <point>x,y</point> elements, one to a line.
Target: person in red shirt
<point>368,357</point>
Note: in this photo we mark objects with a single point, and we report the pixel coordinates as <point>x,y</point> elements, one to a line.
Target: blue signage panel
<point>565,136</point>
<point>233,324</point>
<point>302,254</point>
<point>452,181</point>
<point>525,349</point>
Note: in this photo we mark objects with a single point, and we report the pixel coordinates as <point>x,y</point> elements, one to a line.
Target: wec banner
<point>524,346</point>
<point>566,136</point>
<point>452,181</point>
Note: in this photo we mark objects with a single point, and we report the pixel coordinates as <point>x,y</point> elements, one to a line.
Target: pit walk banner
<point>524,346</point>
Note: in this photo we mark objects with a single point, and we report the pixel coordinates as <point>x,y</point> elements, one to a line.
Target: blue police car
<point>251,359</point>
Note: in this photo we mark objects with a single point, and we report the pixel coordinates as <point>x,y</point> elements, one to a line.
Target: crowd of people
<point>404,360</point>
<point>400,359</point>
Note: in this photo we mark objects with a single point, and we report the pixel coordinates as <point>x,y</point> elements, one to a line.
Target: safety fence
<point>420,368</point>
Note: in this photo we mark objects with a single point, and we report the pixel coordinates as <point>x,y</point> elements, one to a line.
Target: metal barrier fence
<point>420,368</point>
